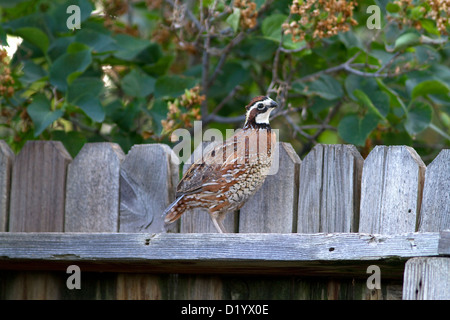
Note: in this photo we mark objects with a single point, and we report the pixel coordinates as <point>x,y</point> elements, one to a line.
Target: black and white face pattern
<point>258,111</point>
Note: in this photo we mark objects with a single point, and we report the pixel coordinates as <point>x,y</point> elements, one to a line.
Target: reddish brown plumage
<point>228,173</point>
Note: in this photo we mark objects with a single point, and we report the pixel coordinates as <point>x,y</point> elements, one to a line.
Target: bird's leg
<point>217,221</point>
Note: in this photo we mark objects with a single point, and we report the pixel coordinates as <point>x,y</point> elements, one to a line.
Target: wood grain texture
<point>427,279</point>
<point>435,210</point>
<point>198,220</point>
<point>273,208</point>
<point>444,243</point>
<point>6,161</point>
<point>213,253</point>
<point>148,177</point>
<point>38,185</point>
<point>391,190</point>
<point>92,193</point>
<point>329,191</point>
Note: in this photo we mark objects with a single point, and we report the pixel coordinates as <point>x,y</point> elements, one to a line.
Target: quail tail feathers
<point>175,210</point>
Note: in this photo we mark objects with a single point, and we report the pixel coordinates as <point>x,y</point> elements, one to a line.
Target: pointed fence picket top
<point>148,178</point>
<point>391,190</point>
<point>329,190</point>
<point>435,211</point>
<point>273,208</point>
<point>328,201</point>
<point>38,187</point>
<point>198,220</point>
<point>6,161</point>
<point>92,193</point>
<point>427,279</point>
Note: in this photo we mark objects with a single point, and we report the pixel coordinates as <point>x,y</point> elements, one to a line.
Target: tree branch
<point>226,51</point>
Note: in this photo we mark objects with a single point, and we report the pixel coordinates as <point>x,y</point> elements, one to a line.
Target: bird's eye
<point>260,106</point>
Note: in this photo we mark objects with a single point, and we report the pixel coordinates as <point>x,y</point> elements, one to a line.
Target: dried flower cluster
<point>440,12</point>
<point>114,9</point>
<point>6,80</point>
<point>183,111</point>
<point>411,14</point>
<point>319,19</point>
<point>249,14</point>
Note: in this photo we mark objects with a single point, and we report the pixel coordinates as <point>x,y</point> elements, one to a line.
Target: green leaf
<point>365,100</point>
<point>233,74</point>
<point>73,140</point>
<point>325,86</point>
<point>349,39</point>
<point>354,82</point>
<point>32,72</point>
<point>259,49</point>
<point>34,36</point>
<point>233,19</point>
<point>392,8</point>
<point>271,26</point>
<point>129,47</point>
<point>430,26</point>
<point>69,66</point>
<point>394,98</point>
<point>418,117</point>
<point>138,84</point>
<point>158,112</point>
<point>173,86</point>
<point>272,29</point>
<point>355,130</point>
<point>406,40</point>
<point>429,87</point>
<point>96,41</point>
<point>41,113</point>
<point>84,93</point>
<point>3,37</point>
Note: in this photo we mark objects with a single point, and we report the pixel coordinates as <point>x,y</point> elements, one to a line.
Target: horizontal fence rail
<point>48,200</point>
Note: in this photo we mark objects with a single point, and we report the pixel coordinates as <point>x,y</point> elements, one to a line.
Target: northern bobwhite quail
<point>229,173</point>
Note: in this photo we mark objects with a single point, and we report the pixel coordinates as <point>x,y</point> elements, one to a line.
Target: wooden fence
<point>311,232</point>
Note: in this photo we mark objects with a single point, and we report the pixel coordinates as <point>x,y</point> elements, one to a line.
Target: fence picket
<point>273,208</point>
<point>435,211</point>
<point>147,184</point>
<point>427,279</point>
<point>329,189</point>
<point>92,195</point>
<point>38,187</point>
<point>391,190</point>
<point>6,161</point>
<point>38,184</point>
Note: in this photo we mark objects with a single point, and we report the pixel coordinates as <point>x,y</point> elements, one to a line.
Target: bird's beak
<point>273,105</point>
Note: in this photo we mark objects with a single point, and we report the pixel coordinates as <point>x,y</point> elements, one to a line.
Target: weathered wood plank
<point>148,178</point>
<point>444,243</point>
<point>92,193</point>
<point>329,191</point>
<point>38,185</point>
<point>228,253</point>
<point>273,208</point>
<point>435,211</point>
<point>6,161</point>
<point>198,220</point>
<point>391,190</point>
<point>427,279</point>
<point>92,205</point>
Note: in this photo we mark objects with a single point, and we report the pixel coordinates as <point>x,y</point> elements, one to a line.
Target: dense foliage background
<point>137,70</point>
